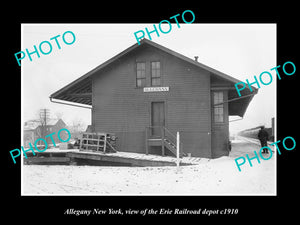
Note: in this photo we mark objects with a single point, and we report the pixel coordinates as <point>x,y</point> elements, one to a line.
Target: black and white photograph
<point>130,109</point>
<point>140,111</point>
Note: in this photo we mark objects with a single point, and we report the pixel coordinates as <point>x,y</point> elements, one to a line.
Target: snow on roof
<point>33,124</point>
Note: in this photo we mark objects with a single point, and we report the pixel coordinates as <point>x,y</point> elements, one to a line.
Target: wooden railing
<point>165,136</point>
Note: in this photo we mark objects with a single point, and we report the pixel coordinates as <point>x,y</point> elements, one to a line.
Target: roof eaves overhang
<point>71,104</point>
<point>70,92</point>
<point>67,93</point>
<point>237,106</point>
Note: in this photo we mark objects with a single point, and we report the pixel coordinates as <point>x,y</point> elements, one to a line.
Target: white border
<point>22,126</point>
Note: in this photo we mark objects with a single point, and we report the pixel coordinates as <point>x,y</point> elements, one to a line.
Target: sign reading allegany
<point>155,89</point>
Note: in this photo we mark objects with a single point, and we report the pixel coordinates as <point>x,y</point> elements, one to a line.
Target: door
<point>157,118</point>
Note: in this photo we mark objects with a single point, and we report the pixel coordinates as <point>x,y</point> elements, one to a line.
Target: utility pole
<point>44,118</point>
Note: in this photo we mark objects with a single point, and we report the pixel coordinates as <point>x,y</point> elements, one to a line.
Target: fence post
<point>162,141</point>
<point>177,149</point>
<point>146,138</point>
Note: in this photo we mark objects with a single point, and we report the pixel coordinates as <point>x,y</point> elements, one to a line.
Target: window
<point>153,79</point>
<point>218,109</point>
<point>140,74</point>
<point>155,74</point>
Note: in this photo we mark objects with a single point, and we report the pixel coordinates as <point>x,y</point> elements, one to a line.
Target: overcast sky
<point>239,50</point>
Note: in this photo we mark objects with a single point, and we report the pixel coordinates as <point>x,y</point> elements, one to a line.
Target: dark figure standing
<point>263,136</point>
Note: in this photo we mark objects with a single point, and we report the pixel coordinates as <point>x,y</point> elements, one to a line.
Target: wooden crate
<point>103,142</point>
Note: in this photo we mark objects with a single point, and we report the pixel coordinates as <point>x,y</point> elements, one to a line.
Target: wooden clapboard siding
<point>121,108</point>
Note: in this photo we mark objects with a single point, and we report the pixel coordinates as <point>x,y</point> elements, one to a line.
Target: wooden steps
<point>166,140</point>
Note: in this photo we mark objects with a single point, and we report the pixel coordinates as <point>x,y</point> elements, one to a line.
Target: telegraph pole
<point>44,117</point>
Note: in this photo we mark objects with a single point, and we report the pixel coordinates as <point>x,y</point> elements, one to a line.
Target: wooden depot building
<point>147,93</point>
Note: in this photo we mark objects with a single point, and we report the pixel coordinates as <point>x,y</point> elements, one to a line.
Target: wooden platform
<point>76,157</point>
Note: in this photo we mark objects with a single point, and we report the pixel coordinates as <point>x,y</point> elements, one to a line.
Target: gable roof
<point>79,91</point>
<point>33,124</point>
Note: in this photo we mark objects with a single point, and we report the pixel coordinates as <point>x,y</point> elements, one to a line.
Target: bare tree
<point>77,128</point>
<point>59,115</point>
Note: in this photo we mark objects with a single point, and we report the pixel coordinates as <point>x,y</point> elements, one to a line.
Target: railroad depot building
<point>147,93</point>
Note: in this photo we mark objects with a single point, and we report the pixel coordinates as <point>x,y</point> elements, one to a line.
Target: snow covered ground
<point>209,177</point>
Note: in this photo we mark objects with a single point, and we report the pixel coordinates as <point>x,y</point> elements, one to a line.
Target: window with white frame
<point>140,74</point>
<point>218,110</point>
<point>155,74</point>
